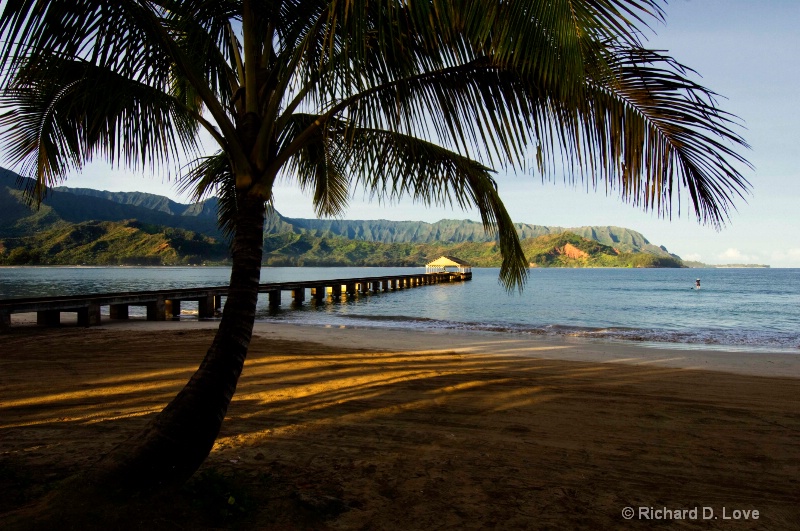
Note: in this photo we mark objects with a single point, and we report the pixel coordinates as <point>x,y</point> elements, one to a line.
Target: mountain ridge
<point>78,205</point>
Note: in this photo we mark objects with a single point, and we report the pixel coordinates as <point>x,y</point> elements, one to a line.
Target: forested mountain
<point>158,203</point>
<point>553,250</point>
<point>80,205</point>
<point>457,231</point>
<point>154,229</point>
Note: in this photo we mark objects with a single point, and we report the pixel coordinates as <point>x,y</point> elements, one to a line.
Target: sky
<point>748,51</point>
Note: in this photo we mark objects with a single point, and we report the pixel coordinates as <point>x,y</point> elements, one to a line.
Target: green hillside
<point>111,243</point>
<point>84,226</point>
<point>458,231</point>
<point>571,250</point>
<point>18,219</point>
<point>82,204</point>
<point>556,250</point>
<point>135,243</point>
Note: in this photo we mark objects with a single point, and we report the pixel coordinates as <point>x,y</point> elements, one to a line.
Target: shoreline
<point>344,428</point>
<point>735,360</point>
<point>775,364</point>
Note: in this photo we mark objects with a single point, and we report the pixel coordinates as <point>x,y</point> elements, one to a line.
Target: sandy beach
<point>341,428</point>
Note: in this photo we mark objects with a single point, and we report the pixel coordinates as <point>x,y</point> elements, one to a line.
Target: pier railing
<point>163,304</point>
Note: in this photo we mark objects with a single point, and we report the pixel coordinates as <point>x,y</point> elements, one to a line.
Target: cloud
<point>786,257</point>
<point>694,257</point>
<point>735,255</point>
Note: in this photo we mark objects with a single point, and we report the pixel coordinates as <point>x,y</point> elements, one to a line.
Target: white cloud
<point>786,258</point>
<point>735,256</point>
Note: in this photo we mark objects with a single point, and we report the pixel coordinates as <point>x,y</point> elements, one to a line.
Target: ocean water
<point>747,309</point>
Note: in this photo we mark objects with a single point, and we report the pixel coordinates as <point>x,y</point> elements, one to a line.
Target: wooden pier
<point>164,304</point>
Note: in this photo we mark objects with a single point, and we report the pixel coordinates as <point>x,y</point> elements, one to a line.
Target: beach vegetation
<point>423,100</point>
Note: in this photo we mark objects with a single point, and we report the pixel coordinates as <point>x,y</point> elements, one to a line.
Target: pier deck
<point>166,303</point>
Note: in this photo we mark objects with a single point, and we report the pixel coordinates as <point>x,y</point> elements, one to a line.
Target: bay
<point>743,309</point>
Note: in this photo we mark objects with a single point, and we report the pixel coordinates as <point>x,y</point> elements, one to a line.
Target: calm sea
<point>752,309</point>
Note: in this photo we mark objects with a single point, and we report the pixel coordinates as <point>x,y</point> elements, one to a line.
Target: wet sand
<point>388,429</point>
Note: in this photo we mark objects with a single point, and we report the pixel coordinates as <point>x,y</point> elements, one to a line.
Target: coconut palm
<point>423,99</point>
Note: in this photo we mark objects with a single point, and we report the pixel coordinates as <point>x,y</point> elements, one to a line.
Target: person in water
<point>697,284</point>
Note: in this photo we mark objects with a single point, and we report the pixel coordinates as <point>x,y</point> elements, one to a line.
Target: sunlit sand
<point>410,430</point>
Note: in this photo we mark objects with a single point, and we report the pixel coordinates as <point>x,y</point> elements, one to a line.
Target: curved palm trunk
<point>175,443</point>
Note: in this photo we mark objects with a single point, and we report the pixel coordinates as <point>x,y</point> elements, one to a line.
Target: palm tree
<point>421,99</point>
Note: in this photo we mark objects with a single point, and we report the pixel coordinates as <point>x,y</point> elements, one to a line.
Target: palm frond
<point>59,122</point>
<point>640,124</point>
<point>662,131</point>
<point>200,28</point>
<point>391,166</point>
<point>405,70</point>
<point>115,35</point>
<point>209,176</point>
<point>319,168</point>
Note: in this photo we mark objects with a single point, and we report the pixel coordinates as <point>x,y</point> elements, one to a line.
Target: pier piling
<point>157,310</point>
<point>161,303</point>
<point>298,296</point>
<point>274,297</point>
<point>118,311</point>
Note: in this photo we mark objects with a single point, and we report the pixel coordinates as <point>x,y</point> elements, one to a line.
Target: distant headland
<point>701,265</point>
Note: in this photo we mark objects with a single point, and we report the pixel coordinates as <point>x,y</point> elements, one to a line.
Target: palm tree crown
<point>417,99</point>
